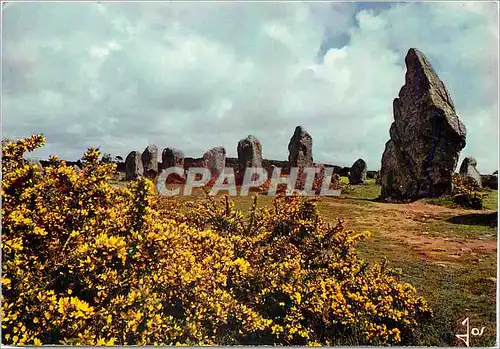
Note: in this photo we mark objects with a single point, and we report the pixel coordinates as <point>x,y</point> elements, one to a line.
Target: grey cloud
<point>195,76</point>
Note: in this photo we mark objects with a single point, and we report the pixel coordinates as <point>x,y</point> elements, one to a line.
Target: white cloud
<point>198,75</point>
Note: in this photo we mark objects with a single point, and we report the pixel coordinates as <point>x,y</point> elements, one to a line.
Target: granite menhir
<point>426,136</point>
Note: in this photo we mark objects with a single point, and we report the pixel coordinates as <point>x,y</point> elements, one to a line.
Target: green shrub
<point>466,192</point>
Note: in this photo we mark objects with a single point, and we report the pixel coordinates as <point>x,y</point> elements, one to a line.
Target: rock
<point>150,161</point>
<point>77,169</point>
<point>426,136</point>
<point>300,154</point>
<point>300,149</point>
<point>468,169</point>
<point>171,157</point>
<point>493,182</point>
<point>249,152</point>
<point>344,171</point>
<point>357,175</point>
<point>215,160</point>
<point>490,181</point>
<point>133,165</point>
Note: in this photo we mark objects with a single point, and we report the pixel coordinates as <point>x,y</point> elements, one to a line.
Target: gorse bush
<point>85,263</point>
<point>466,192</point>
<point>305,276</point>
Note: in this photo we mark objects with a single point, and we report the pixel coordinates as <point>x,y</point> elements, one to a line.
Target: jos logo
<point>475,332</point>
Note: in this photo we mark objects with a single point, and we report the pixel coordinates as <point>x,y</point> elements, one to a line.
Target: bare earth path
<point>422,226</point>
<point>448,254</point>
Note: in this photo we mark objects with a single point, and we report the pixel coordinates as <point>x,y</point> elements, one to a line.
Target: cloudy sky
<point>199,75</point>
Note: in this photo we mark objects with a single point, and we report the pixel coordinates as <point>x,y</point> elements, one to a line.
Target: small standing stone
<point>468,169</point>
<point>172,157</point>
<point>300,149</point>
<point>493,182</point>
<point>150,161</point>
<point>357,174</point>
<point>133,165</point>
<point>490,181</point>
<point>215,160</point>
<point>249,152</point>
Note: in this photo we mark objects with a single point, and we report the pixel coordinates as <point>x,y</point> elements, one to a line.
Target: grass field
<point>447,253</point>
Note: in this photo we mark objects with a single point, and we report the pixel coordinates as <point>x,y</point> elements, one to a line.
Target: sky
<point>194,76</point>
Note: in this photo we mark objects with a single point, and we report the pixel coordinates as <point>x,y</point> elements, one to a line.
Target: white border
<point>4,4</point>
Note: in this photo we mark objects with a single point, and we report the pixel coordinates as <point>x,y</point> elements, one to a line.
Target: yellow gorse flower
<point>85,263</point>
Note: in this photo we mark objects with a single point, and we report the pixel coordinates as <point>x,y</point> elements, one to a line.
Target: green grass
<point>463,289</point>
<point>446,201</point>
<point>455,289</point>
<point>442,228</point>
<point>490,200</point>
<point>367,190</point>
<point>458,289</point>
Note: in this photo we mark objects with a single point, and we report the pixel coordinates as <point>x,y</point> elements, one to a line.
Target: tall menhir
<point>426,136</point>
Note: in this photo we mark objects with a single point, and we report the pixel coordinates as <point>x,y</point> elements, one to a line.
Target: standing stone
<point>468,169</point>
<point>357,174</point>
<point>150,161</point>
<point>133,165</point>
<point>493,182</point>
<point>344,171</point>
<point>426,136</point>
<point>172,157</point>
<point>489,181</point>
<point>300,149</point>
<point>300,154</point>
<point>215,160</point>
<point>249,152</point>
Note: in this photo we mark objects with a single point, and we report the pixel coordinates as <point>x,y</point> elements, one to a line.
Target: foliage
<point>466,192</point>
<point>89,264</point>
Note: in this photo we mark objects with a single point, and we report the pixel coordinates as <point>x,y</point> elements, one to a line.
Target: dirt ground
<point>412,224</point>
<point>448,254</point>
